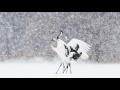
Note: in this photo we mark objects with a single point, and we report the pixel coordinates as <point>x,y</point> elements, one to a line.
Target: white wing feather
<point>84,47</point>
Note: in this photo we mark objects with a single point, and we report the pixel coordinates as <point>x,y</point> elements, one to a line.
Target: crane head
<point>61,33</point>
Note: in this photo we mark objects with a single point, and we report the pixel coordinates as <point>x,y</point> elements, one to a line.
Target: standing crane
<point>74,50</point>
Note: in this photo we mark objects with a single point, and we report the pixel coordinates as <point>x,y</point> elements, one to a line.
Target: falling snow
<point>28,34</point>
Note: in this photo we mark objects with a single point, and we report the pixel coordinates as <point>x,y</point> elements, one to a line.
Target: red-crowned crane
<point>74,50</point>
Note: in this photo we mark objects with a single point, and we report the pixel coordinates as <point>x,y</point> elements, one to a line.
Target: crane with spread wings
<point>74,50</point>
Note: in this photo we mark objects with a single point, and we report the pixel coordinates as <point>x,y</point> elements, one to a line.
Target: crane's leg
<point>70,68</point>
<point>63,67</point>
<point>66,68</point>
<point>69,65</point>
<point>59,67</point>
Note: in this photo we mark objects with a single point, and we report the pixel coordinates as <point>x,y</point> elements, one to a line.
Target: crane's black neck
<point>67,50</point>
<point>58,36</point>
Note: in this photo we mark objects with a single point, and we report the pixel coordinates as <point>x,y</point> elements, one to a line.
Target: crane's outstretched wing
<point>80,46</point>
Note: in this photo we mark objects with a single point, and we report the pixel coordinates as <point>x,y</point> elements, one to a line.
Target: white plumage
<point>84,47</point>
<point>74,50</point>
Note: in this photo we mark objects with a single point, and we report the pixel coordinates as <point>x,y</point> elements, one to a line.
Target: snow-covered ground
<point>48,69</point>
